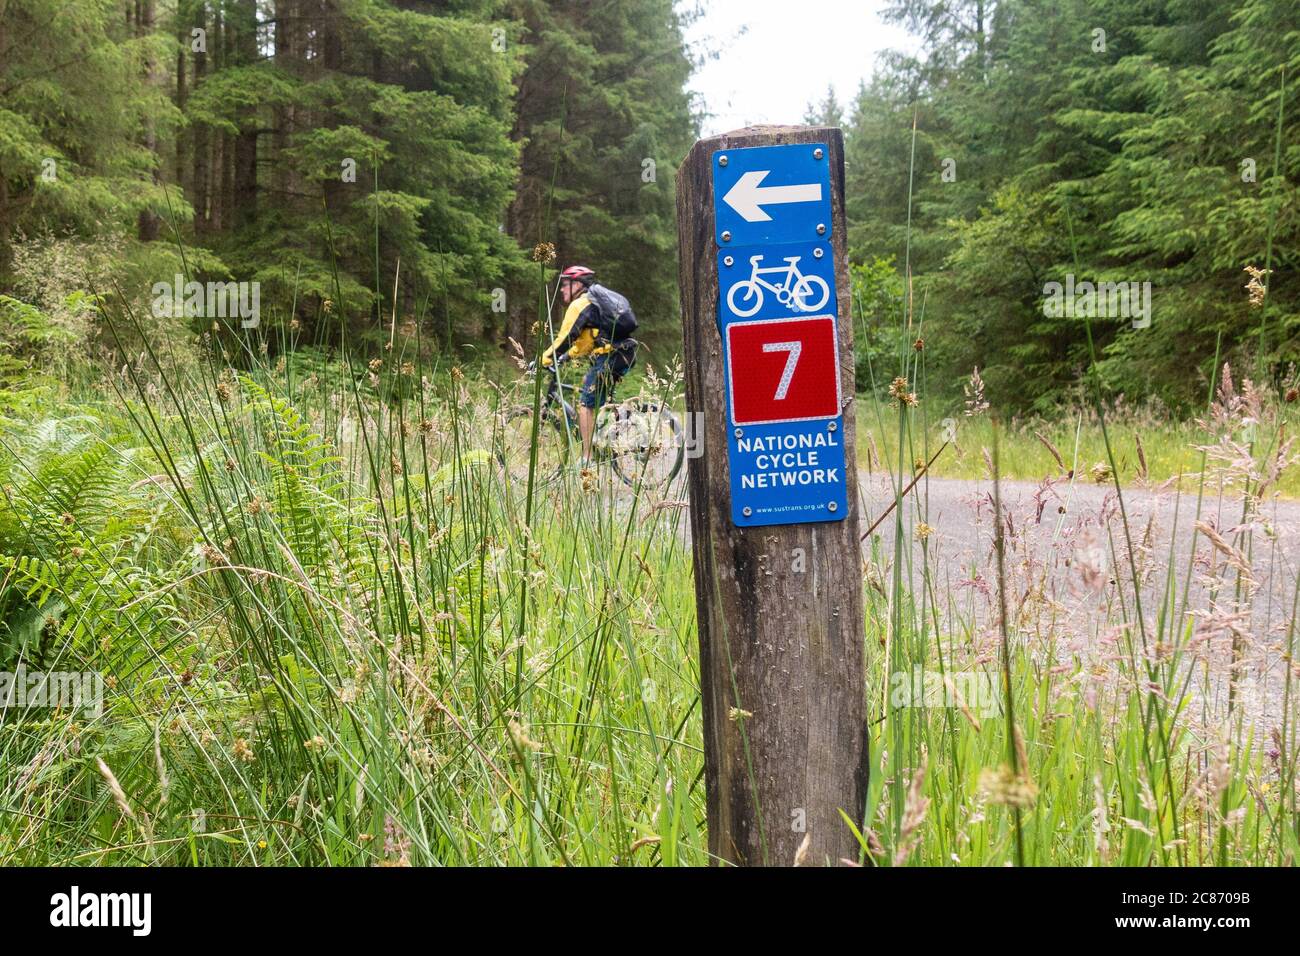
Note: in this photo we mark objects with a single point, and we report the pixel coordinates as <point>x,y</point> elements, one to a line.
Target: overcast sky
<point>787,55</point>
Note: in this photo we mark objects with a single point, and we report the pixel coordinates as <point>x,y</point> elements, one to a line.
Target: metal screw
<point>817,153</point>
<point>729,260</point>
<point>832,506</point>
<point>726,236</point>
<point>722,160</point>
<point>747,511</point>
<point>831,426</point>
<point>739,432</point>
<point>821,228</point>
<point>817,253</point>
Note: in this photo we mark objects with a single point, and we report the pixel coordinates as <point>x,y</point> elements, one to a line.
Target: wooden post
<point>780,607</point>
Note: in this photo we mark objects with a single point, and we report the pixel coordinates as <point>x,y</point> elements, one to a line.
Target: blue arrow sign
<point>771,194</point>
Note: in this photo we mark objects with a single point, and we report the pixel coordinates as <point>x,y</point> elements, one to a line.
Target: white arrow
<point>748,199</point>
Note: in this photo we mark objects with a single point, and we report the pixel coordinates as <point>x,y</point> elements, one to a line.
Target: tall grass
<point>307,602</point>
<point>306,605</point>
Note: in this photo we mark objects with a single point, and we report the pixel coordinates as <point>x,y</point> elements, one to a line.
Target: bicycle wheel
<point>645,444</point>
<point>750,302</point>
<point>553,444</point>
<point>806,289</point>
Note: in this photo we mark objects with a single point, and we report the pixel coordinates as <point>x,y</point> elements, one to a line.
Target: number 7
<point>794,348</point>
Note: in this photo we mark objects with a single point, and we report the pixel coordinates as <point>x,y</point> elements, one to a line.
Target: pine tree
<point>603,115</point>
<point>77,117</point>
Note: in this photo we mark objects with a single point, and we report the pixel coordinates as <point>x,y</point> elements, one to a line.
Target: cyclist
<point>598,323</point>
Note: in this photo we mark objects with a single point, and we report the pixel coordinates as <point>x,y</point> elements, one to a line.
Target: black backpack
<point>616,321</point>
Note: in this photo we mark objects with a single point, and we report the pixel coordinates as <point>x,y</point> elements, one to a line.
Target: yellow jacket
<point>583,341</point>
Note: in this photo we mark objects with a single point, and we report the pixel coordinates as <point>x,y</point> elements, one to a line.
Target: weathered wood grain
<point>784,645</point>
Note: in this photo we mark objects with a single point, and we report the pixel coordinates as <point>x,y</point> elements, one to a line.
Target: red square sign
<point>783,370</point>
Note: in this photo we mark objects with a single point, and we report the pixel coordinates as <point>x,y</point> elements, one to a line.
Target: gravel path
<point>1067,567</point>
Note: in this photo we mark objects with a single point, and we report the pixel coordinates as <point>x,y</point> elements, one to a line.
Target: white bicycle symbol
<point>794,291</point>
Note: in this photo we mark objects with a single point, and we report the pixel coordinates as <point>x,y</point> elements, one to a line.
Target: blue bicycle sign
<point>794,290</point>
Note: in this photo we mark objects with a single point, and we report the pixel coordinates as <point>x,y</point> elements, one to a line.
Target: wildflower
<point>898,391</point>
<point>223,392</point>
<point>408,368</point>
<point>923,531</point>
<point>1256,289</point>
<point>544,252</point>
<point>1292,394</point>
<point>735,713</point>
<point>261,844</point>
<point>212,556</point>
<point>375,365</point>
<point>243,751</point>
<point>294,325</point>
<point>396,844</point>
<point>1006,787</point>
<point>456,374</point>
<point>919,345</point>
<point>67,519</point>
<point>315,743</point>
<point>519,736</point>
<point>974,389</point>
<point>256,505</point>
<point>1101,473</point>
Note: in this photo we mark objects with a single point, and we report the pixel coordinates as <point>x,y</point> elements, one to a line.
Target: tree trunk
<point>201,141</point>
<point>244,157</point>
<point>148,221</point>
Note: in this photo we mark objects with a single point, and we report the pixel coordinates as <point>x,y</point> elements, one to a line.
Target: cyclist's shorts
<point>607,369</point>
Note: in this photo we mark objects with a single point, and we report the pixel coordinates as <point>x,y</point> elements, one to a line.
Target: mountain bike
<point>795,290</point>
<point>640,437</point>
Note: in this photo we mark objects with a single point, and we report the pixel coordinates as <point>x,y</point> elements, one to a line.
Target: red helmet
<point>577,272</point>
